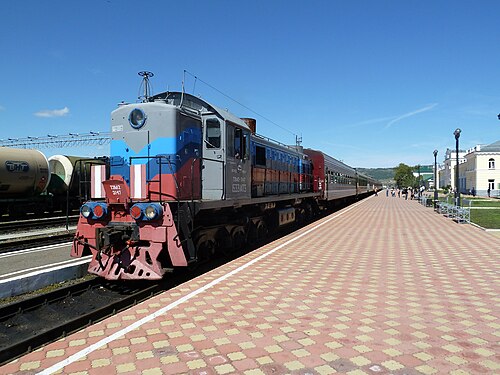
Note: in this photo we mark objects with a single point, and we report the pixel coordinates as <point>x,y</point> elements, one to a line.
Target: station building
<point>481,170</point>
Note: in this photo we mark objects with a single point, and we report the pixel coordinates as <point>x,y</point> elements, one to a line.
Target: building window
<point>491,163</point>
<point>491,184</point>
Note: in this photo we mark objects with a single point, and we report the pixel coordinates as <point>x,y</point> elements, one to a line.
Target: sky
<point>373,83</point>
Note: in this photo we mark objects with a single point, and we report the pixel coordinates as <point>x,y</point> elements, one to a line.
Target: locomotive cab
<point>226,166</point>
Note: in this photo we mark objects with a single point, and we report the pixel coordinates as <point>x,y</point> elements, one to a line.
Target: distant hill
<point>384,175</point>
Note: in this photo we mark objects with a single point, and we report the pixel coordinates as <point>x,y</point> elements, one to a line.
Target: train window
<point>260,156</point>
<point>213,133</point>
<point>239,144</point>
<point>246,145</point>
<point>230,140</point>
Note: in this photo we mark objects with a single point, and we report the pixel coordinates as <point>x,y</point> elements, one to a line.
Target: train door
<point>238,163</point>
<point>213,159</point>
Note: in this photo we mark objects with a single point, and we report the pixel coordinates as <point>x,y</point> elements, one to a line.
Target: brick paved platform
<point>386,286</point>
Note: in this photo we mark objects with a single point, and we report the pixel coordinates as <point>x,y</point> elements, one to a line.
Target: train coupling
<point>115,233</point>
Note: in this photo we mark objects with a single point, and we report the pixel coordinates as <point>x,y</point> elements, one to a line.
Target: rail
<point>55,314</point>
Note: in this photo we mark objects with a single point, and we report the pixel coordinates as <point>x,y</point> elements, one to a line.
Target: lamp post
<point>457,185</point>
<point>418,167</point>
<point>435,178</point>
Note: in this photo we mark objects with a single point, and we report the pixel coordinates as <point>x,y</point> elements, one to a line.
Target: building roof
<point>494,147</point>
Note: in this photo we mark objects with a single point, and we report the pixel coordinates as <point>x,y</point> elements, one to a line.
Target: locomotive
<point>187,179</point>
<point>31,183</point>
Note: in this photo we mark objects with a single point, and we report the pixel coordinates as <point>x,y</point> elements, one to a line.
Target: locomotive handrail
<point>159,160</point>
<point>177,189</point>
<point>86,162</point>
<point>294,148</point>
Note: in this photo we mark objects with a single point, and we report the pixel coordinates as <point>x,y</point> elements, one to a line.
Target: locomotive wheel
<point>238,238</point>
<point>262,231</point>
<point>206,248</point>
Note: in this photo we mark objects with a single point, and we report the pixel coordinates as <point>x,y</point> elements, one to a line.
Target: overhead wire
<point>241,104</point>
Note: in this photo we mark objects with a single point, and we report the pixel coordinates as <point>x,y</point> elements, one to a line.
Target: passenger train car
<point>188,179</point>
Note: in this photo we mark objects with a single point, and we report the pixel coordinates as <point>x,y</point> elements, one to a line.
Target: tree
<point>403,175</point>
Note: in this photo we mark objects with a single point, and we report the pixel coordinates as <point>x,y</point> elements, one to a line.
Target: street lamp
<point>457,185</point>
<point>418,167</point>
<point>435,178</point>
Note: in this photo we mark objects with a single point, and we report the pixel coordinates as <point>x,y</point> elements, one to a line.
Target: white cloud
<point>409,114</point>
<point>52,112</point>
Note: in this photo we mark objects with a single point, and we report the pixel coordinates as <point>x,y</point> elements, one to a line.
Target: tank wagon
<point>22,172</point>
<point>31,183</point>
<point>188,179</point>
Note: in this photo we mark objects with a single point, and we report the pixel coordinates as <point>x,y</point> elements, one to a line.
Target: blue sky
<point>372,83</point>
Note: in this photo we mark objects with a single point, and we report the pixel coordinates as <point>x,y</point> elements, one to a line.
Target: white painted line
<point>70,262</point>
<point>75,357</point>
<point>34,250</point>
<point>51,269</point>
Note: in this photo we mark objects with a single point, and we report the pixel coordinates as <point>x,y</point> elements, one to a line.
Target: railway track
<point>22,234</point>
<point>31,323</point>
<point>7,227</point>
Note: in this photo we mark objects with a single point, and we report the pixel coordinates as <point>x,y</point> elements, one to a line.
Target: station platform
<point>24,271</point>
<point>384,286</point>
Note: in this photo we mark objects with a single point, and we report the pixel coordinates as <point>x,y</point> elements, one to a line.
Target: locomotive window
<point>213,133</point>
<point>239,146</point>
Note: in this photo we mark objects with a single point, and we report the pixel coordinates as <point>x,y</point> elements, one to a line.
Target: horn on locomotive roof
<point>146,85</point>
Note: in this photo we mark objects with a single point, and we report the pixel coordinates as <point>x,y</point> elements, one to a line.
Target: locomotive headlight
<point>153,211</point>
<point>146,211</point>
<point>94,210</point>
<point>137,118</point>
<point>86,211</point>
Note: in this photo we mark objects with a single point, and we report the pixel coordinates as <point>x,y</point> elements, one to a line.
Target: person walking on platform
<point>489,191</point>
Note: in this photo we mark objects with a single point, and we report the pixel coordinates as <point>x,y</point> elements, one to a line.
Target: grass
<point>489,219</point>
<point>485,203</point>
<point>475,202</point>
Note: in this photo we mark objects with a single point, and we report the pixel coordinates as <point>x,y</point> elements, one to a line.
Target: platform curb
<point>36,280</point>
